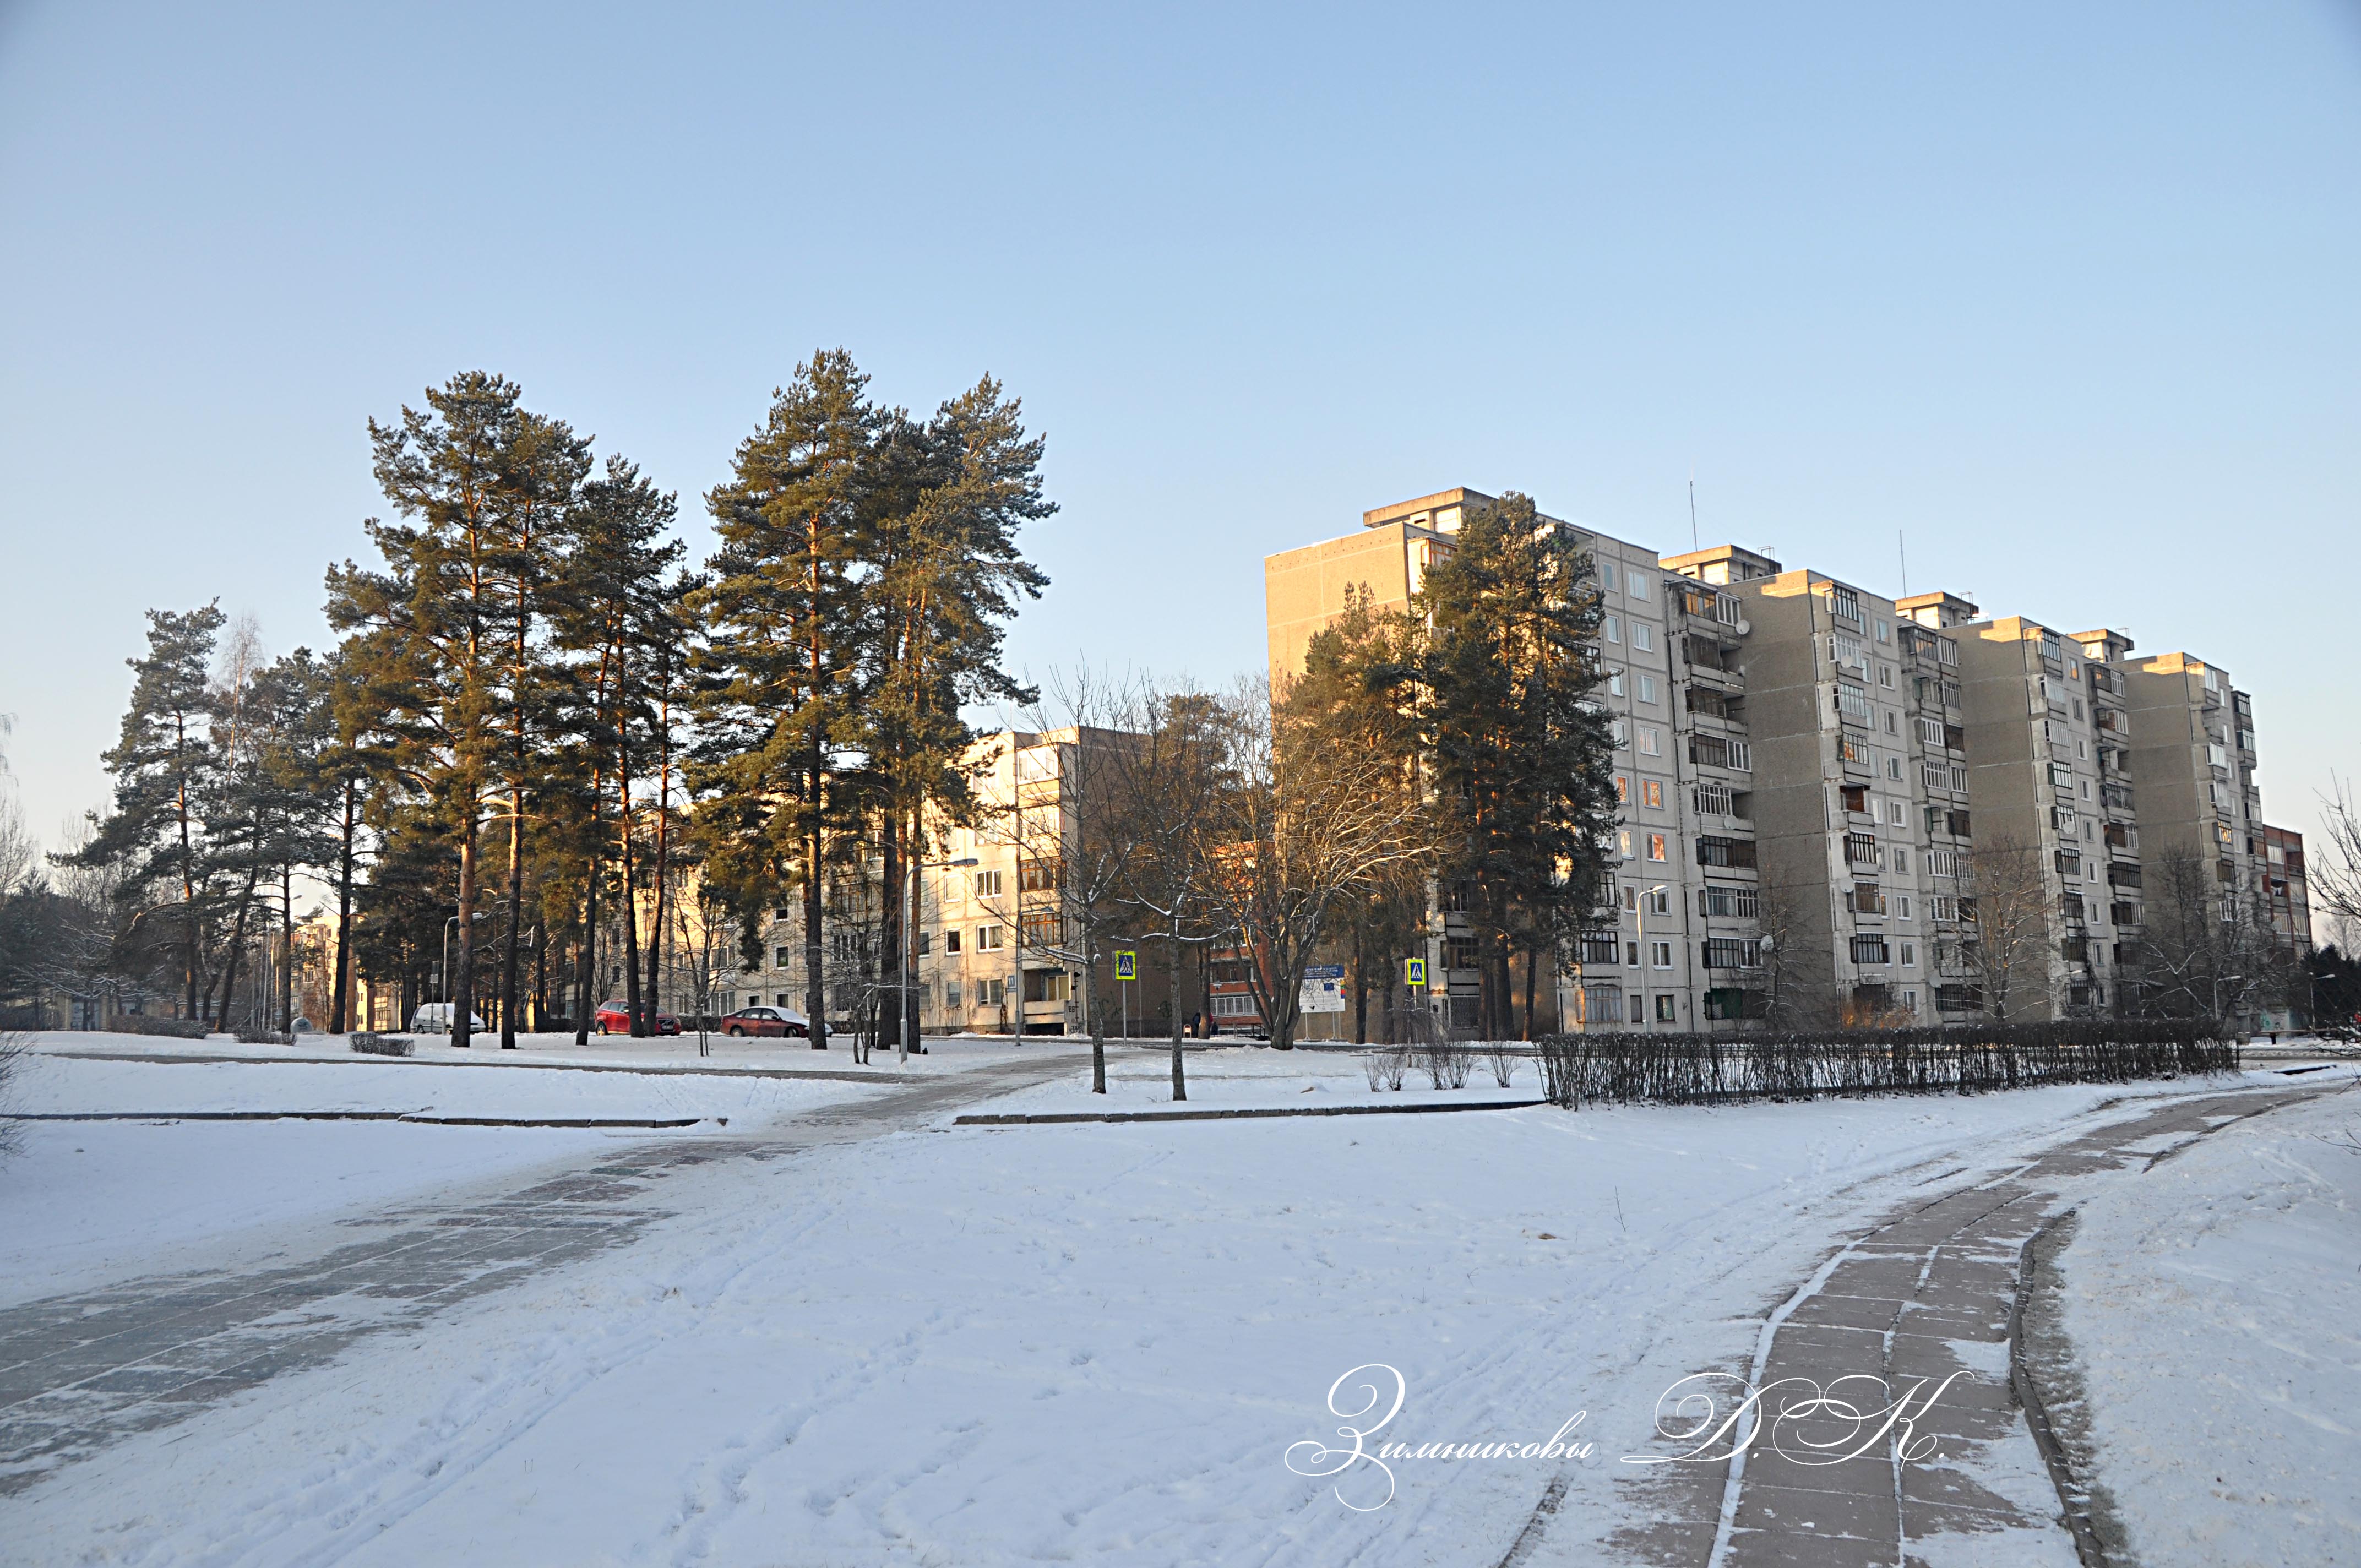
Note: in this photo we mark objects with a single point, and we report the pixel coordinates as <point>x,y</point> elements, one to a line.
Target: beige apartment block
<point>1673,960</point>
<point>2037,793</point>
<point>1853,811</point>
<point>995,940</point>
<point>2191,763</point>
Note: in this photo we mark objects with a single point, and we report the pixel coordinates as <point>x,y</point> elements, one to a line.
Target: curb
<point>415,1119</point>
<point>1050,1118</point>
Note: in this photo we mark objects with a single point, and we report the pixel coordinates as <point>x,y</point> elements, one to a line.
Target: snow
<point>944,1054</point>
<point>1139,1078</point>
<point>92,1201</point>
<point>1093,1342</point>
<point>2215,1305</point>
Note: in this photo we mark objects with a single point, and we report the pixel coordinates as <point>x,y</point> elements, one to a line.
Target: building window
<point>1614,629</point>
<point>952,940</point>
<point>1614,683</point>
<point>1631,954</point>
<point>987,885</point>
<point>1869,950</point>
<point>1622,787</point>
<point>1651,741</point>
<point>1647,688</point>
<point>1643,636</point>
<point>1894,771</point>
<point>1902,901</point>
<point>1637,583</point>
<point>1622,734</point>
<point>1607,573</point>
<point>1655,846</point>
<point>1910,955</point>
<point>987,938</point>
<point>1623,842</point>
<point>1742,756</point>
<point>779,957</point>
<point>1664,1010</point>
<point>1660,900</point>
<point>1652,793</point>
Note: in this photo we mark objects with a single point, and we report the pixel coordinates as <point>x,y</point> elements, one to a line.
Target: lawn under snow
<point>1088,1342</point>
<point>2215,1306</point>
<point>947,1053</point>
<point>90,1201</point>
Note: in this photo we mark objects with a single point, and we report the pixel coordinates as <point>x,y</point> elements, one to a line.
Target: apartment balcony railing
<point>1732,853</point>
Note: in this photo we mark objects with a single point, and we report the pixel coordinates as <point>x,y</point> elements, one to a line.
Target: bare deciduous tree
<point>1305,821</point>
<point>2001,883</point>
<point>2207,952</point>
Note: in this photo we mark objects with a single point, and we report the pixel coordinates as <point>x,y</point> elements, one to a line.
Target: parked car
<point>784,1021</point>
<point>615,1018</point>
<point>435,1018</point>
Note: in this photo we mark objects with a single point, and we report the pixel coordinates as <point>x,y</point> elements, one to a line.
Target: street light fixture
<point>909,977</point>
<point>1640,925</point>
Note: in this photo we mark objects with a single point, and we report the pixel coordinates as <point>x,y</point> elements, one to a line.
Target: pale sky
<point>2066,293</point>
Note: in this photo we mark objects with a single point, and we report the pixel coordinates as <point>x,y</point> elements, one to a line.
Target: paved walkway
<point>82,1371</point>
<point>1930,1292</point>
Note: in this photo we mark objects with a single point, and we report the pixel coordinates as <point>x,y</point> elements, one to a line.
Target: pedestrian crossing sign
<point>1126,965</point>
<point>1414,971</point>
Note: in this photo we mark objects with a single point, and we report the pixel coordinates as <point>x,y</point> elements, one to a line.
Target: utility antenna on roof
<point>1903,550</point>
<point>1693,532</point>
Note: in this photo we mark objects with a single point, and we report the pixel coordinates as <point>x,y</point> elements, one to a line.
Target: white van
<point>435,1018</point>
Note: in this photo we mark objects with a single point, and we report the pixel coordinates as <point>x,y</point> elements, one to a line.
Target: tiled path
<point>1929,1292</point>
<point>82,1371</point>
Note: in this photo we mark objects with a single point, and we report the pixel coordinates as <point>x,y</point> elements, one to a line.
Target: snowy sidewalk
<point>1925,1297</point>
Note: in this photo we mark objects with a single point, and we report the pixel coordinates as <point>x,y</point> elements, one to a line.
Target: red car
<point>767,1021</point>
<point>615,1018</point>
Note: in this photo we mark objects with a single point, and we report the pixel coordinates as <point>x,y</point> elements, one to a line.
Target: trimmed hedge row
<point>1622,1066</point>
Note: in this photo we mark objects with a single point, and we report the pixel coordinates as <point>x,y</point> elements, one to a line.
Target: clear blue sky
<point>2071,293</point>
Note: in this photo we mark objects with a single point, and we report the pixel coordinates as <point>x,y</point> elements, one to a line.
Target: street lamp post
<point>909,976</point>
<point>1639,925</point>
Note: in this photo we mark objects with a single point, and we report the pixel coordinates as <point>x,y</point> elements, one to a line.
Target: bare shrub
<point>1445,1063</point>
<point>13,1047</point>
<point>1373,1063</point>
<point>1397,1066</point>
<point>1623,1066</point>
<point>1501,1060</point>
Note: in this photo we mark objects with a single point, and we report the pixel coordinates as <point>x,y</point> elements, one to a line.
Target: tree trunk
<point>814,982</point>
<point>516,918</point>
<point>586,960</point>
<point>889,927</point>
<point>237,946</point>
<point>662,869</point>
<point>1532,959</point>
<point>342,983</point>
<point>913,921</point>
<point>1172,975</point>
<point>1360,984</point>
<point>461,982</point>
<point>287,950</point>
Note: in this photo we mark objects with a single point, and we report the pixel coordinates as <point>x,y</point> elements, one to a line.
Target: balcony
<point>1736,854</point>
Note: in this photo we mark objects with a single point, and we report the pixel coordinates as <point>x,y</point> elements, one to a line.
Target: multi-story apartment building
<point>995,949</point>
<point>1836,803</point>
<point>1857,822</point>
<point>1674,961</point>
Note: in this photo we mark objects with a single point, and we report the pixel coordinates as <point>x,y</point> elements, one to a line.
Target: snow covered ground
<point>950,1053</point>
<point>1090,1342</point>
<point>1139,1078</point>
<point>2216,1307</point>
<point>90,1201</point>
